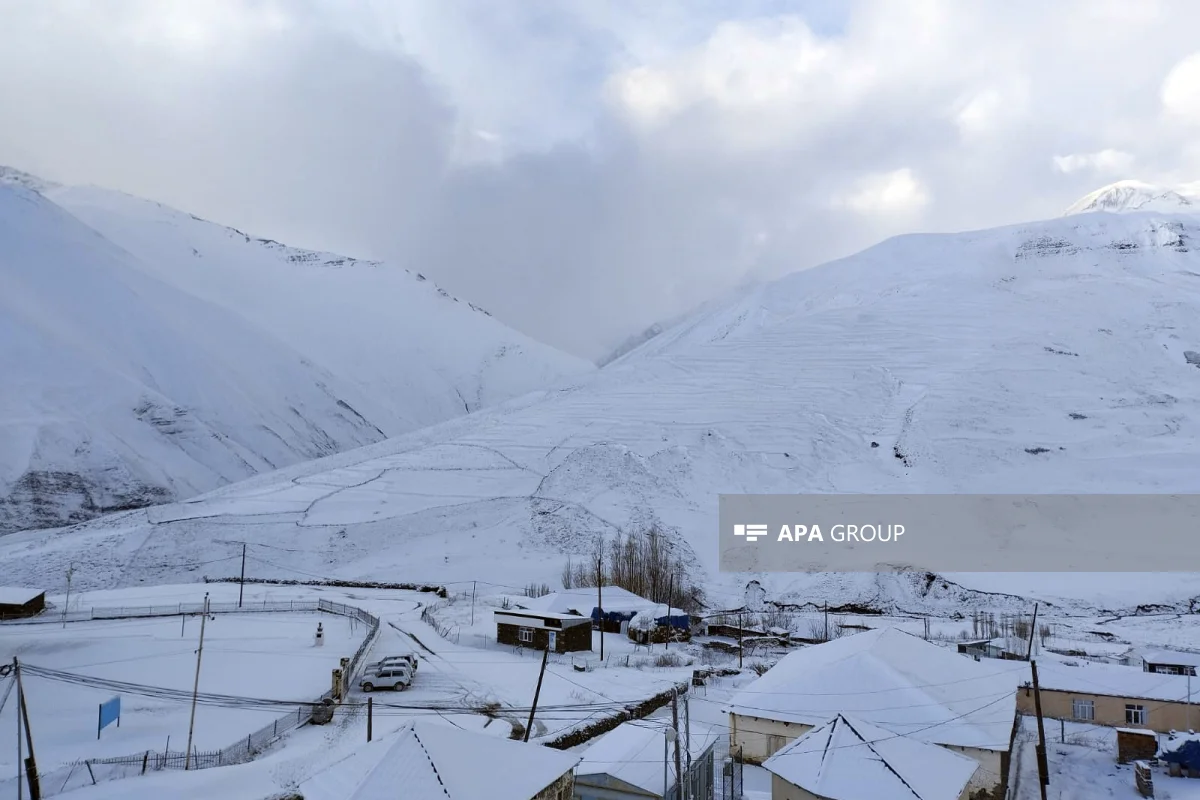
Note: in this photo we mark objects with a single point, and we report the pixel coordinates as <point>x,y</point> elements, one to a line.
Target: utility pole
<point>1043,764</point>
<point>20,749</point>
<point>31,775</point>
<point>472,604</point>
<point>187,760</point>
<point>242,578</point>
<point>369,717</point>
<point>67,604</point>
<point>739,641</point>
<point>670,591</point>
<point>1032,633</point>
<point>687,739</point>
<point>675,726</point>
<point>827,620</point>
<point>600,594</point>
<point>536,693</point>
<point>1189,702</point>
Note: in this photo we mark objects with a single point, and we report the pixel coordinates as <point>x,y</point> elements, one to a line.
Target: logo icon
<point>752,532</point>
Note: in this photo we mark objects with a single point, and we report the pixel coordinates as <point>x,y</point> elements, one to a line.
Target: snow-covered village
<point>599,400</point>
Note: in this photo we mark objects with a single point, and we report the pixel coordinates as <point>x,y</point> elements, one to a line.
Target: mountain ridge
<point>1047,357</point>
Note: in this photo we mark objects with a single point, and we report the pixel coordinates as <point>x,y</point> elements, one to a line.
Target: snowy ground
<point>271,656</point>
<point>249,655</point>
<point>1083,766</point>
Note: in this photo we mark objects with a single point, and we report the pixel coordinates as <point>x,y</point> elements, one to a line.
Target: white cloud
<point>1181,90</point>
<point>896,192</point>
<point>1106,161</point>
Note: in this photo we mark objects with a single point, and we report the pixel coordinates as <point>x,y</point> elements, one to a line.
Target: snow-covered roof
<point>17,595</point>
<point>436,761</point>
<point>895,679</point>
<point>583,601</point>
<point>520,612</point>
<point>633,752</point>
<point>848,759</point>
<point>1113,680</point>
<point>1177,657</point>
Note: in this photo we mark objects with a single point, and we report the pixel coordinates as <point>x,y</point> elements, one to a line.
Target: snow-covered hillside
<point>419,355</point>
<point>1060,356</point>
<point>119,390</point>
<point>1136,196</point>
<point>165,355</point>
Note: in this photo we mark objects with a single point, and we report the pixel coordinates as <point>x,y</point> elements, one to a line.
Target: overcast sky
<point>584,168</point>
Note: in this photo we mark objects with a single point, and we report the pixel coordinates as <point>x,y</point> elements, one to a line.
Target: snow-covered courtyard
<point>269,656</point>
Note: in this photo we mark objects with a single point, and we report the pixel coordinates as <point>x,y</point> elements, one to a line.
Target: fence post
<point>145,761</point>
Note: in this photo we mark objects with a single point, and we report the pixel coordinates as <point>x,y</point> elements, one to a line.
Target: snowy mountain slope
<point>418,355</point>
<point>120,391</point>
<point>1136,196</point>
<point>1052,357</point>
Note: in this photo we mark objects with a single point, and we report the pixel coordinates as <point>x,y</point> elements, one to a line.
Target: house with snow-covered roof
<point>636,761</point>
<point>18,601</point>
<point>619,605</point>
<point>427,760</point>
<point>891,679</point>
<point>1170,662</point>
<point>848,759</point>
<point>1111,695</point>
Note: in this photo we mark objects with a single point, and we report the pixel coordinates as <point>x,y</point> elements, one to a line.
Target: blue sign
<point>110,712</point>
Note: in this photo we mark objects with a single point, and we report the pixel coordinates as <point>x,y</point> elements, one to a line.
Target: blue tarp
<point>1187,754</point>
<point>682,621</point>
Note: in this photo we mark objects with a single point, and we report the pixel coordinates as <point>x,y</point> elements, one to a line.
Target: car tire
<point>368,687</point>
<point>399,687</point>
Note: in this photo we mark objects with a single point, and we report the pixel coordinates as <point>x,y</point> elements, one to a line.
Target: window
<point>1083,709</point>
<point>526,634</point>
<point>1135,714</point>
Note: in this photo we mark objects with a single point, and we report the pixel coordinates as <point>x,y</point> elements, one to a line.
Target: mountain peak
<point>1131,195</point>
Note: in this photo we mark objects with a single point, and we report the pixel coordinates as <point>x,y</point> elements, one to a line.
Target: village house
<point>848,759</point>
<point>16,602</point>
<point>891,679</point>
<point>544,630</point>
<point>620,605</point>
<point>632,761</point>
<point>1170,662</point>
<point>1116,696</point>
<point>431,760</point>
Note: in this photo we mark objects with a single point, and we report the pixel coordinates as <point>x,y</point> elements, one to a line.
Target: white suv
<point>408,659</point>
<point>398,677</point>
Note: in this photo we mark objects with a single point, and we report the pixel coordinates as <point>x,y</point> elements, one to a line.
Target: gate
<point>731,778</point>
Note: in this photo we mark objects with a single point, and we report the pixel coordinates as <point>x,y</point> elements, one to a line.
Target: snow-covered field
<point>268,656</point>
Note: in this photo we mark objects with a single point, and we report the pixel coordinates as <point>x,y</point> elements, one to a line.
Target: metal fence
<point>91,771</point>
<point>178,609</point>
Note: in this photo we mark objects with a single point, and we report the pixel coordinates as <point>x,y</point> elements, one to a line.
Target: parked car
<point>407,659</point>
<point>398,677</point>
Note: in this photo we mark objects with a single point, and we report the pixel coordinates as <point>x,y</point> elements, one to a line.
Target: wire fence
<point>87,772</point>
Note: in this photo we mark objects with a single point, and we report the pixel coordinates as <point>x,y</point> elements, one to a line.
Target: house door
<point>553,644</point>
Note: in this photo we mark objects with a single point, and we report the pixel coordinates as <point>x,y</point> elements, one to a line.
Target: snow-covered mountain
<point>149,355</point>
<point>1136,196</point>
<point>1059,356</point>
